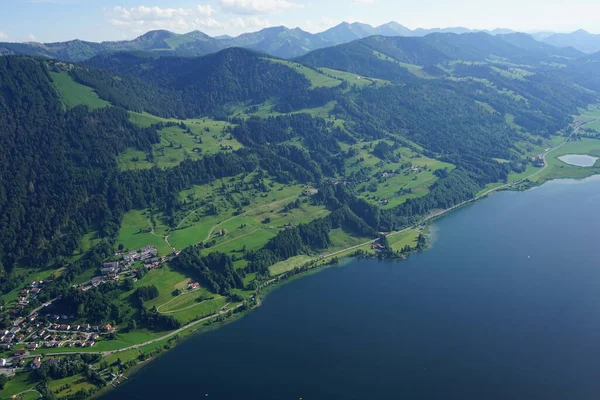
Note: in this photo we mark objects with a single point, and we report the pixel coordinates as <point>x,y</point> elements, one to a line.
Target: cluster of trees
<point>156,321</point>
<point>306,238</point>
<point>67,366</point>
<point>215,270</point>
<point>145,293</point>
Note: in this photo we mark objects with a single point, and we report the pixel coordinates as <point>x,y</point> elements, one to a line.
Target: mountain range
<point>278,41</point>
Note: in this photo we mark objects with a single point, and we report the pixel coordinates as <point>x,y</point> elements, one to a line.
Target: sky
<point>98,20</point>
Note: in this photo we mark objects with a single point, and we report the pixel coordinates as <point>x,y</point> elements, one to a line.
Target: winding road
<point>136,346</point>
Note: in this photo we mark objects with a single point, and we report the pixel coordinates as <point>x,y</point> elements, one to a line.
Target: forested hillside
<point>54,164</point>
<point>228,169</point>
<point>189,87</point>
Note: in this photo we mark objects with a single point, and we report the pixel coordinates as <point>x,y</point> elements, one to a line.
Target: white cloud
<point>3,35</point>
<point>143,13</point>
<point>208,23</point>
<point>239,23</point>
<point>257,6</point>
<point>143,18</point>
<point>206,10</point>
<point>30,37</point>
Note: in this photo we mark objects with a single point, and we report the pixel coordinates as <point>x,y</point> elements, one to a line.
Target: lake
<point>504,305</point>
<point>578,160</point>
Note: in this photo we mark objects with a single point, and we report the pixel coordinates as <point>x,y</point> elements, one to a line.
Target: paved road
<point>136,346</point>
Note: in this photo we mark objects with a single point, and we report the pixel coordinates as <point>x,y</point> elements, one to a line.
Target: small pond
<point>579,160</point>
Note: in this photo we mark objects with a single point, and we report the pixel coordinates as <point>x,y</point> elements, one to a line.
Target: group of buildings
<point>112,270</point>
<point>27,294</point>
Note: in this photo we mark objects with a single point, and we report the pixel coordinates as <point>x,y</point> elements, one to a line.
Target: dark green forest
<point>60,178</point>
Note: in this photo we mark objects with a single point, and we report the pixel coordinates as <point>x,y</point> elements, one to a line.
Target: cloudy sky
<point>96,20</point>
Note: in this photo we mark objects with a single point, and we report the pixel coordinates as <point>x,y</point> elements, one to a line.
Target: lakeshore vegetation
<point>238,170</point>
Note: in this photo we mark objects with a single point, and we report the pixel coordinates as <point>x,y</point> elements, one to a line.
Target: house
<point>18,353</point>
<point>152,260</point>
<point>193,286</point>
<point>148,252</point>
<point>91,343</point>
<point>32,346</point>
<point>2,362</point>
<point>97,280</point>
<point>25,292</point>
<point>111,264</point>
<point>36,363</point>
<point>35,291</point>
<point>108,270</point>
<point>223,232</point>
<point>108,327</point>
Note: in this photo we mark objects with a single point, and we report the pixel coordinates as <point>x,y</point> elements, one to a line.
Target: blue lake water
<point>505,305</point>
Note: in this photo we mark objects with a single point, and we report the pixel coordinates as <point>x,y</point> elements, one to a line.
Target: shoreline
<point>315,265</point>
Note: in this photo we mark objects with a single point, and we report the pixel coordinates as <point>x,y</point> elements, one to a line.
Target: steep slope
<point>54,164</point>
<point>201,85</point>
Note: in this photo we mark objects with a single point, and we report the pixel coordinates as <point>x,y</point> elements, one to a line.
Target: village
<point>115,270</point>
<point>40,330</point>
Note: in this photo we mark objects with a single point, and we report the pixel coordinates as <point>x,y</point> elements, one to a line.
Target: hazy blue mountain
<point>345,32</point>
<point>527,42</point>
<point>278,41</point>
<point>581,40</point>
<point>393,29</point>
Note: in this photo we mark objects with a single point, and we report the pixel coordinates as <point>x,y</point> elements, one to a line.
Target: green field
<point>289,264</point>
<point>354,79</point>
<point>241,212</point>
<point>74,94</point>
<point>557,169</point>
<point>512,177</point>
<point>19,383</point>
<point>132,235</point>
<point>317,79</point>
<point>206,136</point>
<point>590,117</point>
<point>393,180</point>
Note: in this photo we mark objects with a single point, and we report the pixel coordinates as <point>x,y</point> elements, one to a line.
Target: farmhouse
<point>97,280</point>
<point>108,270</point>
<point>152,260</point>
<point>111,264</point>
<point>193,286</point>
<point>36,363</point>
